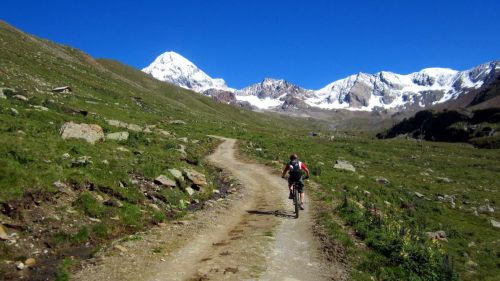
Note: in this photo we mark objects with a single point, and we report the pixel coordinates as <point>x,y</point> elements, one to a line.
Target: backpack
<point>295,170</point>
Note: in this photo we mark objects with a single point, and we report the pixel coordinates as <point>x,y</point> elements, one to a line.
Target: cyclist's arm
<point>285,170</point>
<point>304,167</point>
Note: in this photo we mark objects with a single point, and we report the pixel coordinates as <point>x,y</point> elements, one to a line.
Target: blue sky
<point>310,43</point>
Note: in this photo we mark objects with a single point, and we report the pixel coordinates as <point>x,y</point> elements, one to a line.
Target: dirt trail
<point>254,237</point>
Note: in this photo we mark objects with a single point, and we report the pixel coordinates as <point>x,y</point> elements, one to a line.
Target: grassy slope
<point>33,159</point>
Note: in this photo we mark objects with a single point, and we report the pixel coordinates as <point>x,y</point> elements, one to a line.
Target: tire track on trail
<point>255,238</point>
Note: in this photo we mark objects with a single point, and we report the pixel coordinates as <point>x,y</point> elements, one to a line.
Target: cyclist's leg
<point>301,191</point>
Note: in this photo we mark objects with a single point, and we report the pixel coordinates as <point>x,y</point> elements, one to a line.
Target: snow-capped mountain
<point>174,68</point>
<point>362,91</point>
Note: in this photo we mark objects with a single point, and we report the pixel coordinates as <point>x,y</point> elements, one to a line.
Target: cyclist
<point>295,168</point>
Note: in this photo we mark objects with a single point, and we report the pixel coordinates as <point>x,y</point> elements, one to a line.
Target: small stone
<point>120,248</point>
<point>366,193</point>
<point>59,185</point>
<point>165,181</point>
<point>344,165</point>
<point>443,179</point>
<point>41,108</point>
<point>14,111</point>
<point>195,177</point>
<point>184,139</point>
<point>189,191</point>
<point>3,234</point>
<point>472,244</point>
<point>20,97</point>
<point>381,180</point>
<point>419,195</point>
<point>485,209</point>
<point>215,191</point>
<point>471,263</point>
<point>154,207</point>
<point>66,155</point>
<point>439,235</point>
<point>82,161</point>
<point>164,133</point>
<point>105,162</point>
<point>178,122</point>
<point>20,265</point>
<point>176,173</point>
<point>118,136</point>
<point>495,223</point>
<point>387,203</point>
<point>122,149</point>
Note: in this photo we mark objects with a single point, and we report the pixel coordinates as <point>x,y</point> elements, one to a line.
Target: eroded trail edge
<point>251,236</point>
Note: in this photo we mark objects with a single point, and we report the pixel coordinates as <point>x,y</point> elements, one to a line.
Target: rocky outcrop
<point>118,136</point>
<point>89,132</point>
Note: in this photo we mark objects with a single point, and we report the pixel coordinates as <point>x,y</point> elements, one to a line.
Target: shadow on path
<point>276,213</point>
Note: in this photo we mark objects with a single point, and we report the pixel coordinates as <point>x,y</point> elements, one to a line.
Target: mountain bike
<point>296,198</point>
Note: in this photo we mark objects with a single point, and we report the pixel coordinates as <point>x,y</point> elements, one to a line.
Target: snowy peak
<point>174,68</point>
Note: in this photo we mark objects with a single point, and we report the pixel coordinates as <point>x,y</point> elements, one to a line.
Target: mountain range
<point>358,92</point>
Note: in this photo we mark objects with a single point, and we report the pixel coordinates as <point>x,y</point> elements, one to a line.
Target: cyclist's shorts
<point>300,184</point>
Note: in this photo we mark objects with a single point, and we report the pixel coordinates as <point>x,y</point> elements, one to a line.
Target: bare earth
<point>251,235</point>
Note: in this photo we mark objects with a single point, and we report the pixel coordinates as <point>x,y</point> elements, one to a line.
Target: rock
<point>189,191</point>
<point>163,180</point>
<point>82,161</point>
<point>419,195</point>
<point>366,193</point>
<point>120,124</point>
<point>495,223</point>
<point>20,97</point>
<point>448,198</point>
<point>184,139</point>
<point>154,207</point>
<point>176,174</point>
<point>122,149</point>
<point>344,165</point>
<point>443,179</point>
<point>118,136</point>
<point>20,265</point>
<point>41,108</point>
<point>381,180</point>
<point>182,149</point>
<point>14,111</point>
<point>178,122</point>
<point>471,263</point>
<point>164,133</point>
<point>94,220</point>
<point>113,203</point>
<point>89,132</point>
<point>105,162</point>
<point>215,191</point>
<point>120,248</point>
<point>439,235</point>
<point>59,185</point>
<point>134,127</point>
<point>387,203</point>
<point>195,177</point>
<point>66,155</point>
<point>2,95</point>
<point>3,233</point>
<point>485,209</point>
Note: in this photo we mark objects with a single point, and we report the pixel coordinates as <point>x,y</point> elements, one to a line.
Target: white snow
<point>265,103</point>
<point>401,90</point>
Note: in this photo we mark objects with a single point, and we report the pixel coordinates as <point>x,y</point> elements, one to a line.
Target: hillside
<point>110,187</point>
<point>406,210</point>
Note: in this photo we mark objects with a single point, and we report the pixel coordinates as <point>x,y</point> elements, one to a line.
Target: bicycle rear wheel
<point>296,201</point>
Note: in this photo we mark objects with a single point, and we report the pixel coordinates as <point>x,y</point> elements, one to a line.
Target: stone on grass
<point>189,191</point>
<point>495,223</point>
<point>20,97</point>
<point>30,262</point>
<point>41,108</point>
<point>165,181</point>
<point>419,195</point>
<point>89,132</point>
<point>20,265</point>
<point>59,185</point>
<point>3,234</point>
<point>14,111</point>
<point>178,122</point>
<point>122,149</point>
<point>119,136</point>
<point>120,248</point>
<point>2,96</point>
<point>443,179</point>
<point>184,139</point>
<point>154,206</point>
<point>82,161</point>
<point>176,174</point>
<point>344,165</point>
<point>195,177</point>
<point>66,155</point>
<point>485,209</point>
<point>134,127</point>
<point>381,180</point>
<point>439,235</point>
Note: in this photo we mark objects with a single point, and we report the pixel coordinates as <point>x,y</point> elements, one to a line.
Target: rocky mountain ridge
<point>359,92</point>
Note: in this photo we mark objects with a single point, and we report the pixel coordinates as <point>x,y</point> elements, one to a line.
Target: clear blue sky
<point>310,43</point>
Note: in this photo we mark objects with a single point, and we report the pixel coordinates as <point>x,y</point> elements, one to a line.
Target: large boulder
<point>89,132</point>
<point>195,177</point>
<point>344,165</point>
<point>165,181</point>
<point>119,136</point>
